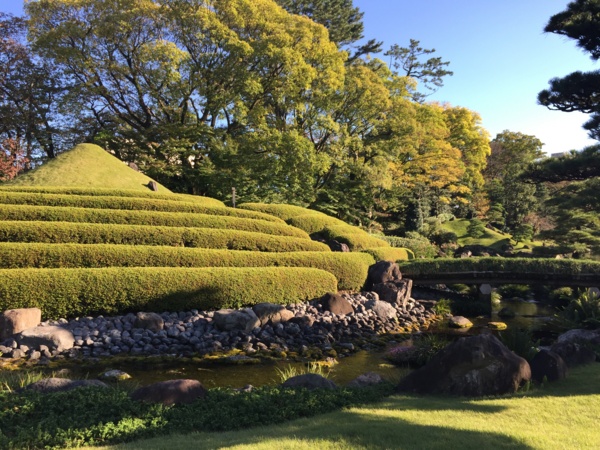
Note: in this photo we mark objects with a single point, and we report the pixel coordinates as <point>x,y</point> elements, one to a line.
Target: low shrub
<point>354,237</point>
<point>156,218</point>
<point>521,342</point>
<point>350,269</point>
<point>127,203</point>
<point>418,352</point>
<point>584,310</point>
<point>95,416</point>
<point>561,297</point>
<point>443,307</point>
<point>112,192</point>
<point>83,292</point>
<point>88,233</point>
<point>476,228</point>
<point>390,254</point>
<point>421,247</point>
<point>313,223</point>
<point>514,291</point>
<point>282,211</point>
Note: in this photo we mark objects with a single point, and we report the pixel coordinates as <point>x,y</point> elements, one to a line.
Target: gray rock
<point>309,381</point>
<point>336,304</point>
<point>459,322</point>
<point>272,313</point>
<point>396,292</point>
<point>55,338</point>
<point>366,379</point>
<point>548,365</point>
<point>382,272</point>
<point>170,392</point>
<point>230,319</point>
<point>48,385</point>
<point>383,310</point>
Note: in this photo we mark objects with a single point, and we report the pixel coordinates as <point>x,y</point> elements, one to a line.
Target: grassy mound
<point>81,292</point>
<point>156,218</point>
<point>350,269</point>
<point>95,233</point>
<point>86,165</point>
<point>314,222</point>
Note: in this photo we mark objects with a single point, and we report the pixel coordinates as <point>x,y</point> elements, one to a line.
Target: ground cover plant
<point>552,416</point>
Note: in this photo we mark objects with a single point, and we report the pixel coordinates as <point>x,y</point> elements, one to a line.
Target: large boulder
<point>14,321</point>
<point>395,292</point>
<point>574,353</point>
<point>272,313</point>
<point>170,392</point>
<point>233,319</point>
<point>580,336</point>
<point>383,310</point>
<point>48,385</point>
<point>382,272</point>
<point>336,304</point>
<point>149,321</point>
<point>309,381</point>
<point>471,366</point>
<point>549,365</point>
<point>365,380</point>
<point>53,337</point>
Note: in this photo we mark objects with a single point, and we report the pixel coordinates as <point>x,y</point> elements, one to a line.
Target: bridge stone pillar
<point>484,296</point>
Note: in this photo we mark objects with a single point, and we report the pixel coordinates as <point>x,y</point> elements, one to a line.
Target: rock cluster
<point>264,327</point>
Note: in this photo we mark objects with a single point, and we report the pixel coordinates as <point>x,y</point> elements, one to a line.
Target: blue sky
<point>499,55</point>
<point>498,52</point>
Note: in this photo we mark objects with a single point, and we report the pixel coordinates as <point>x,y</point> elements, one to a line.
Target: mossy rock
<point>499,326</point>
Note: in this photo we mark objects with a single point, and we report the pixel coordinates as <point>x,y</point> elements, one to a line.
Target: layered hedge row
<point>81,292</point>
<point>318,223</point>
<point>513,265</point>
<point>127,203</point>
<point>156,218</point>
<point>421,247</point>
<point>91,233</point>
<point>390,254</point>
<point>112,193</point>
<point>350,269</point>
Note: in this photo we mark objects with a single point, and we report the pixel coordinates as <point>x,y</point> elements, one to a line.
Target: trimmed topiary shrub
<point>112,192</point>
<point>420,246</point>
<point>313,223</point>
<point>82,292</point>
<point>282,211</point>
<point>350,269</point>
<point>127,203</point>
<point>355,238</point>
<point>156,218</point>
<point>88,233</point>
<point>390,254</point>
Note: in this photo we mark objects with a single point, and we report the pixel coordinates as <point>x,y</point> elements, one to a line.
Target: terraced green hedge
<point>127,203</point>
<point>156,218</point>
<point>350,269</point>
<point>80,292</point>
<point>88,233</point>
<point>390,254</point>
<point>317,222</point>
<point>112,193</point>
<point>513,265</point>
<point>421,247</point>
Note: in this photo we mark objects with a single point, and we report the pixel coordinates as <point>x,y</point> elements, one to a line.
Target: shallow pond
<point>219,374</point>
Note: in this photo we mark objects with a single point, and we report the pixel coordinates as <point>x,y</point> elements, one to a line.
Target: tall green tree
<point>578,91</point>
<point>509,195</point>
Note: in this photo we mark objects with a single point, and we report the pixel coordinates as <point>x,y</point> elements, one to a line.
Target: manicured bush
<point>282,211</point>
<point>350,269</point>
<point>112,192</point>
<point>421,246</point>
<point>355,238</point>
<point>156,218</point>
<point>92,233</point>
<point>127,203</point>
<point>313,223</point>
<point>390,254</point>
<point>82,292</point>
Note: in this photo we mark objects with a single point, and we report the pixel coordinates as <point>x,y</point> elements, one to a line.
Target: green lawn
<point>561,415</point>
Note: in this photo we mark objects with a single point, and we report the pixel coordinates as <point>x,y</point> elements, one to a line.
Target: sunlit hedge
<point>390,254</point>
<point>350,269</point>
<point>88,233</point>
<point>127,203</point>
<point>156,218</point>
<point>80,292</point>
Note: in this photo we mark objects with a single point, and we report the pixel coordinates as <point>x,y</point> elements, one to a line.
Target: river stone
<point>382,272</point>
<point>55,338</point>
<point>549,365</point>
<point>309,381</point>
<point>366,379</point>
<point>13,321</point>
<point>115,375</point>
<point>471,366</point>
<point>272,313</point>
<point>460,322</point>
<point>397,292</point>
<point>170,392</point>
<point>336,304</point>
<point>498,326</point>
<point>232,319</point>
<point>149,321</point>
<point>383,310</point>
<point>48,385</point>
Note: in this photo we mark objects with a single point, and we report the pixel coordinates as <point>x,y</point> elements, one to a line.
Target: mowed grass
<point>562,415</point>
